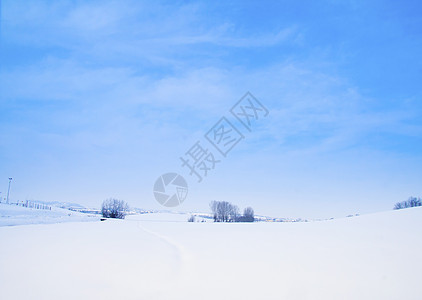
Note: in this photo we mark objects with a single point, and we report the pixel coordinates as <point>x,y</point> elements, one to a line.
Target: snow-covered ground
<point>11,215</point>
<point>161,256</point>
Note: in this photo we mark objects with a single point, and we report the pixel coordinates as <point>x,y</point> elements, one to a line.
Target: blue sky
<point>99,98</point>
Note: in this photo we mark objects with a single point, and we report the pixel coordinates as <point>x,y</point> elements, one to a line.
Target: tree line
<point>411,202</point>
<point>223,211</point>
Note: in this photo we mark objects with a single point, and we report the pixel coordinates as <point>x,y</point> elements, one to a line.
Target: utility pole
<point>8,191</point>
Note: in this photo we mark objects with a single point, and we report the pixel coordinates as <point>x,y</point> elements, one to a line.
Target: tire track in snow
<point>185,261</point>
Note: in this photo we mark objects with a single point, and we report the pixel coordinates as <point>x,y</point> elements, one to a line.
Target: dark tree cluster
<point>113,208</point>
<point>224,211</point>
<point>248,215</point>
<point>411,202</point>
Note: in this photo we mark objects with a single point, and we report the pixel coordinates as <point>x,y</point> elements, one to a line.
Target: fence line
<point>32,204</point>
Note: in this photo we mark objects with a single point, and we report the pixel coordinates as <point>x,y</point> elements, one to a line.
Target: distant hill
<point>66,205</point>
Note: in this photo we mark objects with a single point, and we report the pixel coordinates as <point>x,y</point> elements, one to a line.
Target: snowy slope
<point>11,215</point>
<point>159,257</point>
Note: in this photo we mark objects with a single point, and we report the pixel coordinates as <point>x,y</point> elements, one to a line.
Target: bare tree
<point>223,211</point>
<point>234,213</point>
<point>249,214</point>
<point>213,207</point>
<point>400,205</point>
<point>113,208</point>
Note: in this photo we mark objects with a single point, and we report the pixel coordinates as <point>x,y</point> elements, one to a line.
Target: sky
<point>98,99</point>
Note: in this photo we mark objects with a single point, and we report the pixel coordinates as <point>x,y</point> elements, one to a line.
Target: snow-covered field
<point>161,256</point>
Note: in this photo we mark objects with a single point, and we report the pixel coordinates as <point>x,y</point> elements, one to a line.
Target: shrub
<point>411,202</point>
<point>113,208</point>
